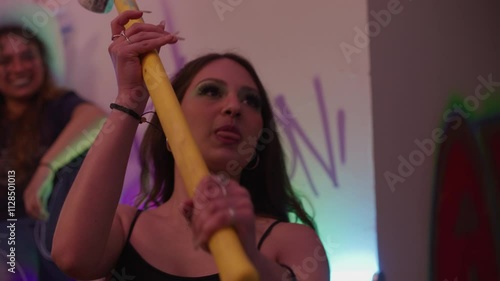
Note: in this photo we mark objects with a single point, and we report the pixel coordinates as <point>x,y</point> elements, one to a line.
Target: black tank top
<point>131,266</point>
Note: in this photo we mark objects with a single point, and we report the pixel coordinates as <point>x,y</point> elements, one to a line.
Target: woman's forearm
<point>86,218</point>
<point>76,137</point>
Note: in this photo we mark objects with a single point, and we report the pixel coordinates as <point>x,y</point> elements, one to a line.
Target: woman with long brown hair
<point>229,115</point>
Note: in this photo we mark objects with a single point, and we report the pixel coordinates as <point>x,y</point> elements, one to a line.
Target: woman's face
<point>21,68</point>
<point>223,109</point>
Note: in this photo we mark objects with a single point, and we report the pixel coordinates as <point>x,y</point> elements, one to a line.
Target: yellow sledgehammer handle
<point>230,257</point>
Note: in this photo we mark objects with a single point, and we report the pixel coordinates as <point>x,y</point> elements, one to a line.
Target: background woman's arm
<point>76,138</point>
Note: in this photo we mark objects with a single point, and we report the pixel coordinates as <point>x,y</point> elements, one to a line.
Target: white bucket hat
<point>43,24</point>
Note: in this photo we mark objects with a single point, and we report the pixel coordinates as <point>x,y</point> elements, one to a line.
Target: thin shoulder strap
<point>134,220</point>
<point>266,233</point>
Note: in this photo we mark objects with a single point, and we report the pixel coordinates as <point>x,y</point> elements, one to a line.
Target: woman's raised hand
<point>219,204</point>
<point>129,45</point>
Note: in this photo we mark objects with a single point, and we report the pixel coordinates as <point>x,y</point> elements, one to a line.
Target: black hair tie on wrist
<point>134,115</point>
<point>129,111</point>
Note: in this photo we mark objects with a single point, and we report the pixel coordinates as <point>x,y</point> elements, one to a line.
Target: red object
<point>465,235</point>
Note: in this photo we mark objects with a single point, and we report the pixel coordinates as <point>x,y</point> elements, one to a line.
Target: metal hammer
<point>230,257</point>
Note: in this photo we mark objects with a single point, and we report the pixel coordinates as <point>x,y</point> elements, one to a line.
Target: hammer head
<point>97,6</point>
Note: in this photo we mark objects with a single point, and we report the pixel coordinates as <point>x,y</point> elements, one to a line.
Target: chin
<point>228,165</point>
<point>24,94</point>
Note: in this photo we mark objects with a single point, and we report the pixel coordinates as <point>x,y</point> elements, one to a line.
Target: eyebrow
<point>212,79</point>
<point>224,82</point>
<point>251,89</point>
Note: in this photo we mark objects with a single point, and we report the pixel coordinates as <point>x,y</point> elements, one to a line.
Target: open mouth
<point>20,82</point>
<point>228,134</point>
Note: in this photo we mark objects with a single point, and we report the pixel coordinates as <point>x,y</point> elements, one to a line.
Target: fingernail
<point>176,34</point>
<point>162,22</point>
<point>146,11</point>
<point>222,178</point>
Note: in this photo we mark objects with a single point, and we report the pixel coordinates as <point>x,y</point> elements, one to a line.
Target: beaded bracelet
<point>128,111</point>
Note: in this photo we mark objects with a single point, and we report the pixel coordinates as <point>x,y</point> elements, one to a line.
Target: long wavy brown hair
<point>24,143</point>
<point>268,183</point>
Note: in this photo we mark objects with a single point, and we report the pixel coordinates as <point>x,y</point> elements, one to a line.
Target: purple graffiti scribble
<point>291,127</point>
<point>341,126</point>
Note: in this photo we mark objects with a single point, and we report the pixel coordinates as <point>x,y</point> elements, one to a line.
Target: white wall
<point>429,49</point>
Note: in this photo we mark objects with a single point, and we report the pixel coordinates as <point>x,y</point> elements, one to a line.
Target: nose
<point>232,106</point>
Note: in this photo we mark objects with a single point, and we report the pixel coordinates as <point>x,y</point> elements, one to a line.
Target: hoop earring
<point>257,160</point>
<point>168,145</point>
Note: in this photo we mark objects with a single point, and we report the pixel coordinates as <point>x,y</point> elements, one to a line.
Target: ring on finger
<point>224,190</point>
<point>232,215</point>
<point>122,33</point>
<point>176,34</point>
<point>126,37</point>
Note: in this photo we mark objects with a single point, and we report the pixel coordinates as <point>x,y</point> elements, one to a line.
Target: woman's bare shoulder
<point>298,246</point>
<point>284,234</point>
<point>294,232</point>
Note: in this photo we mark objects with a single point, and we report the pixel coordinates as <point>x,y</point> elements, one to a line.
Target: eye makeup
<point>250,97</point>
<point>215,89</point>
<point>210,88</point>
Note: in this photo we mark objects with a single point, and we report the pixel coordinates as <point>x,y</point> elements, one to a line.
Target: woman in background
<point>42,129</point>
